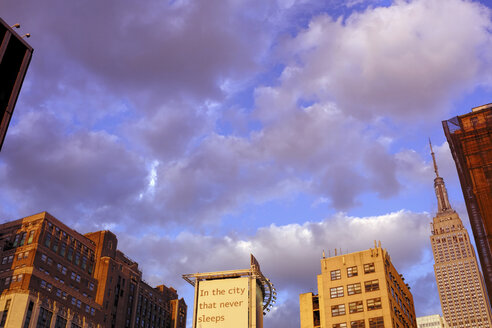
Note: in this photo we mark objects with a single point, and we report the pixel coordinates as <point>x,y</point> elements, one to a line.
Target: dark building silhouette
<point>470,141</point>
<point>53,276</point>
<point>15,56</point>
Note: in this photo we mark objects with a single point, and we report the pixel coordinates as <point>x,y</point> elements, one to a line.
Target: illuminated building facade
<point>235,298</point>
<point>358,290</point>
<point>459,281</point>
<point>53,276</point>
<point>470,141</point>
<point>431,321</point>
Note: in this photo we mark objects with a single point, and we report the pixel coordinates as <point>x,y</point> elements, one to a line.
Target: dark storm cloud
<point>153,49</point>
<point>47,167</point>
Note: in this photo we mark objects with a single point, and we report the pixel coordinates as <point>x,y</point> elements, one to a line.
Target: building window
<point>47,240</point>
<point>371,285</point>
<point>340,325</point>
<point>31,236</point>
<point>337,310</point>
<point>369,268</point>
<point>23,239</point>
<point>373,304</point>
<point>336,292</point>
<point>355,307</point>
<point>44,318</point>
<point>5,313</point>
<point>16,240</point>
<point>357,324</point>
<point>60,322</point>
<point>63,247</point>
<point>43,257</point>
<point>354,289</point>
<point>335,274</point>
<point>352,271</point>
<point>4,260</point>
<point>377,322</point>
<point>29,314</point>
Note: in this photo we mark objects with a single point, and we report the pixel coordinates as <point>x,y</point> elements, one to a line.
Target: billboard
<point>222,303</point>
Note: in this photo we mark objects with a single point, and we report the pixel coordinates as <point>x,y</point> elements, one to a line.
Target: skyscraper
<point>459,281</point>
<point>470,140</point>
<point>359,290</point>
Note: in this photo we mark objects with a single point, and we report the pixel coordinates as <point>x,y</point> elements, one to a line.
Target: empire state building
<point>459,281</point>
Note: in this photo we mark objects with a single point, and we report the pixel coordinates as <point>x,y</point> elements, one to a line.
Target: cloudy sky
<point>202,131</point>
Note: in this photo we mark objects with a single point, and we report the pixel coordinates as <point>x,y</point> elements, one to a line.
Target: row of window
<point>357,306</point>
<point>20,238</point>
<point>63,295</point>
<point>377,322</point>
<point>63,269</point>
<point>352,289</point>
<point>352,271</point>
<point>70,253</point>
<point>10,258</point>
<point>14,278</point>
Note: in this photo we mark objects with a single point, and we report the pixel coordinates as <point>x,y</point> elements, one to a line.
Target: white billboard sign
<point>222,303</point>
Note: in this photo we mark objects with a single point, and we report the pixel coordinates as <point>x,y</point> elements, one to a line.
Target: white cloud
<point>289,254</point>
<point>398,60</point>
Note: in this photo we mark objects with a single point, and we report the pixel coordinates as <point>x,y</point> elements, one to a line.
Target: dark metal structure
<point>470,140</point>
<point>15,56</point>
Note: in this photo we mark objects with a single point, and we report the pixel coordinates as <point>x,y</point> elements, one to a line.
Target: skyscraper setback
<point>459,281</point>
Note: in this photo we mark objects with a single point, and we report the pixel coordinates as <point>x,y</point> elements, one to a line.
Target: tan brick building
<point>53,276</point>
<point>359,290</point>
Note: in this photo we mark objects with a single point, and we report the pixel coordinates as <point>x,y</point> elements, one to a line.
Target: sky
<point>202,131</point>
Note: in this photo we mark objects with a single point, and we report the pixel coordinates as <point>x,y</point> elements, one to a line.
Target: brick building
<point>53,276</point>
<point>470,140</point>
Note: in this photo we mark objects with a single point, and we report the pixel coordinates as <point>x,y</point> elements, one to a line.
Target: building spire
<point>433,159</point>
<point>443,204</point>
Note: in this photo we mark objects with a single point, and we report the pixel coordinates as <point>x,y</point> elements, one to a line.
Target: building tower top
<point>443,205</point>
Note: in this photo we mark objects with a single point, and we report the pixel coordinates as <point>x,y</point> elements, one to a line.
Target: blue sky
<point>201,131</point>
